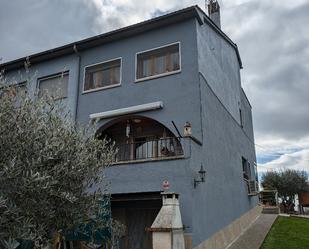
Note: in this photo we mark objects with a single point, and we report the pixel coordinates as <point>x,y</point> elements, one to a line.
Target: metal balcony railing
<point>143,149</point>
<point>269,197</point>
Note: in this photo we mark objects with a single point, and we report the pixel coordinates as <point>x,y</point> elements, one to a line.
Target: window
<point>17,91</point>
<point>159,61</point>
<point>246,169</point>
<point>256,172</point>
<point>241,118</point>
<point>56,86</point>
<point>246,173</point>
<point>102,75</point>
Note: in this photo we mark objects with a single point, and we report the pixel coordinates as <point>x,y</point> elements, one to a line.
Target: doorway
<point>136,212</point>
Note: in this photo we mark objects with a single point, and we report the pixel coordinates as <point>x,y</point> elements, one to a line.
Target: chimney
<point>167,229</point>
<point>214,12</point>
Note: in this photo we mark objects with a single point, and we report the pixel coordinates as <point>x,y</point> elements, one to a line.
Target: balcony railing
<point>144,149</point>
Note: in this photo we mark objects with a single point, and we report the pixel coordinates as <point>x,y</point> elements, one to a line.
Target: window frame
<point>161,74</point>
<point>103,87</point>
<point>51,76</point>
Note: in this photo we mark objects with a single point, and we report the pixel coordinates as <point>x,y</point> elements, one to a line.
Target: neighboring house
<point>168,92</point>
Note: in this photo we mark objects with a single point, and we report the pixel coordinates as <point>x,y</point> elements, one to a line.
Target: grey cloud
<point>274,49</point>
<point>273,41</point>
<point>31,26</point>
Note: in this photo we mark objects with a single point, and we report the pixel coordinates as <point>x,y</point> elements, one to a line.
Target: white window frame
<point>103,87</point>
<point>162,74</point>
<point>51,76</point>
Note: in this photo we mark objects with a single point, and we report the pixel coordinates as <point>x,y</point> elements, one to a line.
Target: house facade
<point>168,92</point>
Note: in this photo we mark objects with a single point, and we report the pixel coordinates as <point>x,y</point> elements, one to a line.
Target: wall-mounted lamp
<point>202,174</point>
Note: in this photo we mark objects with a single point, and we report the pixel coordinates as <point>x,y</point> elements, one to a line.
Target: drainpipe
<point>78,80</point>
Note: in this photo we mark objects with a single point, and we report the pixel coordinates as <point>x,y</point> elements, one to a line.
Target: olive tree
<point>288,183</point>
<point>51,170</point>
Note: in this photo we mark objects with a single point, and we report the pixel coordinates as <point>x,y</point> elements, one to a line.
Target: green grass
<point>288,233</point>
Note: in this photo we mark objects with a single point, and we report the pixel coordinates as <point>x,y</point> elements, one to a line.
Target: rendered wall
<point>218,63</point>
<point>223,198</point>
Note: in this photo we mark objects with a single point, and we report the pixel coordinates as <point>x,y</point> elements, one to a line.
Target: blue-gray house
<point>168,92</point>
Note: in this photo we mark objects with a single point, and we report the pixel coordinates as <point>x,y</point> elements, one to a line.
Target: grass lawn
<point>288,233</point>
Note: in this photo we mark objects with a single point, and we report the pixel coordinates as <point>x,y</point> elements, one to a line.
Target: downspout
<point>201,107</point>
<point>78,80</point>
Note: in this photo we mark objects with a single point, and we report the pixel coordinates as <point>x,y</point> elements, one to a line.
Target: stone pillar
<point>167,229</point>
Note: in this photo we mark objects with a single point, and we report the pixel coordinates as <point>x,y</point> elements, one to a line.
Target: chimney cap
<point>214,12</point>
<point>213,7</point>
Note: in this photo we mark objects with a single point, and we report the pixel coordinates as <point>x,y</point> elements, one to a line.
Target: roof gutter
<point>77,85</point>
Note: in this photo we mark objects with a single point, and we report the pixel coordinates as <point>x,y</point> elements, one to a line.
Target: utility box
<point>167,229</point>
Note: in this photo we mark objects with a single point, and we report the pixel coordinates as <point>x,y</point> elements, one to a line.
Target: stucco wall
<point>218,62</point>
<point>148,177</point>
<point>223,197</point>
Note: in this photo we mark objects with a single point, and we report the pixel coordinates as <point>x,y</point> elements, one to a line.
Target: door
<point>136,215</point>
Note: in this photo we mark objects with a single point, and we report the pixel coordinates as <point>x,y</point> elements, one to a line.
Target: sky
<point>272,36</point>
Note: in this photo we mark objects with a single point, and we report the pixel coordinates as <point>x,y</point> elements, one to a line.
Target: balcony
<point>140,139</point>
<point>143,149</point>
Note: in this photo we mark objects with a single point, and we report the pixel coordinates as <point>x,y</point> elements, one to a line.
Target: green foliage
<point>288,233</point>
<point>288,182</point>
<point>51,171</point>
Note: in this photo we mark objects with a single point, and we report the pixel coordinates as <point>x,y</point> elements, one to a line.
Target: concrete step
<point>270,210</point>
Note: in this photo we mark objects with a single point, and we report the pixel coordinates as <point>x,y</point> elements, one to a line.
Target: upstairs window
<point>241,118</point>
<point>103,75</point>
<point>55,86</point>
<point>160,61</point>
<point>21,92</point>
<point>17,91</point>
<point>246,173</point>
<point>246,169</point>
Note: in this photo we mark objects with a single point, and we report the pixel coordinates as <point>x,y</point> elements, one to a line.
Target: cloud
<point>298,160</point>
<point>32,26</point>
<point>272,37</point>
<point>119,13</point>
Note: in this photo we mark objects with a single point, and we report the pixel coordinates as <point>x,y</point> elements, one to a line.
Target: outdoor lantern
<point>187,129</point>
<point>202,174</point>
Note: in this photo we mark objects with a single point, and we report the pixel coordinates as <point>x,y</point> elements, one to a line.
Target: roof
<point>157,22</point>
